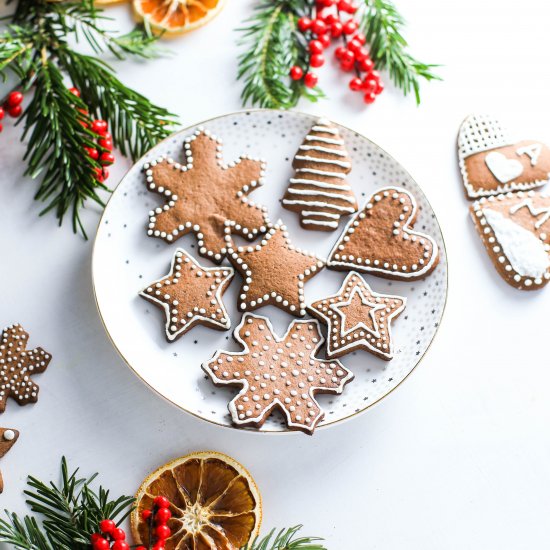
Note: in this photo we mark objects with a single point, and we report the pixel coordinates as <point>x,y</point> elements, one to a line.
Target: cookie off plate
<point>126,260</point>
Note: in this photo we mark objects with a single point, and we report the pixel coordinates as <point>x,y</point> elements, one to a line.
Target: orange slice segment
<point>215,503</point>
<point>177,16</point>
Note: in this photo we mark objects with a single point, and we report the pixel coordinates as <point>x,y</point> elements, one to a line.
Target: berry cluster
<point>103,152</point>
<point>12,106</point>
<point>333,20</point>
<point>112,537</point>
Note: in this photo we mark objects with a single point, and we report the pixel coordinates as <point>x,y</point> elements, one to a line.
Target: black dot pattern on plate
<point>173,369</point>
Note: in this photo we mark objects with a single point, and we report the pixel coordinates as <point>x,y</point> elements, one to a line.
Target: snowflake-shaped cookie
<point>277,373</point>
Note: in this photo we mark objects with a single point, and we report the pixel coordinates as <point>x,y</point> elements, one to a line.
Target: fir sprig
<point>383,25</point>
<point>37,49</point>
<point>286,539</point>
<point>274,45</point>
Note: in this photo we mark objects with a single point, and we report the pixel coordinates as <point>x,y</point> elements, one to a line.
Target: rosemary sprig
<point>38,49</point>
<point>382,25</point>
<point>286,539</point>
<point>274,45</point>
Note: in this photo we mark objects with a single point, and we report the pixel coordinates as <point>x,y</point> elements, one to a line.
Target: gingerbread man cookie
<point>358,318</point>
<point>191,295</point>
<point>319,191</point>
<point>18,365</point>
<point>515,229</point>
<point>203,193</point>
<point>492,163</point>
<point>380,239</point>
<point>8,438</point>
<point>278,373</point>
<point>274,271</point>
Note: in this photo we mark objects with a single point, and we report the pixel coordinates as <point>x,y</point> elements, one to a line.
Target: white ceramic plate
<point>126,260</point>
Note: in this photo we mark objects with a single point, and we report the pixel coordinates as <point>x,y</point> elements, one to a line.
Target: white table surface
<point>458,457</point>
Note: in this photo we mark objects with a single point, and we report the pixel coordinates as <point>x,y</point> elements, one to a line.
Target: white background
<point>459,456</point>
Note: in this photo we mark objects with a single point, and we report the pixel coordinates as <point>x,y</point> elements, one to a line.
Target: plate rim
<point>285,431</point>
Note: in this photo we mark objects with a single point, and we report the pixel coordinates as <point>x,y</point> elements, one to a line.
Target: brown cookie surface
<point>380,239</point>
<point>18,365</point>
<point>203,193</point>
<point>492,163</point>
<point>358,319</point>
<point>274,271</point>
<point>515,229</point>
<point>8,438</point>
<point>191,295</point>
<point>278,373</point>
<point>319,191</point>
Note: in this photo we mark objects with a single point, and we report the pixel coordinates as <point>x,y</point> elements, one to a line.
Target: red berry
<point>370,85</point>
<point>325,40</point>
<point>296,73</point>
<point>315,46</point>
<point>366,65</point>
<point>120,545</point>
<point>16,111</point>
<point>360,37</point>
<point>140,548</point>
<point>347,66</point>
<point>319,27</point>
<point>379,88</point>
<point>369,98</point>
<point>106,159</point>
<point>118,534</point>
<point>348,57</point>
<point>94,154</point>
<point>99,176</point>
<point>14,99</point>
<point>162,516</point>
<point>1,113</point>
<point>101,544</point>
<point>326,3</point>
<point>304,23</point>
<point>348,7</point>
<point>158,545</point>
<point>94,537</point>
<point>99,127</point>
<point>375,75</point>
<point>336,29</point>
<point>311,80</point>
<point>339,52</point>
<point>350,26</point>
<point>163,532</point>
<point>361,54</point>
<point>107,525</point>
<point>317,60</point>
<point>75,92</point>
<point>355,84</point>
<point>353,45</point>
<point>161,502</point>
<point>105,144</point>
<point>105,174</point>
<point>330,18</point>
<point>146,514</point>
<point>1,128</point>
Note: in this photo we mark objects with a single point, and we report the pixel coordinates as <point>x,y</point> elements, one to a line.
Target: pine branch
<point>382,25</point>
<point>274,46</point>
<point>286,539</point>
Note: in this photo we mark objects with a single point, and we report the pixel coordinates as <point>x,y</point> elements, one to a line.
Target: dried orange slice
<point>177,16</point>
<point>215,503</point>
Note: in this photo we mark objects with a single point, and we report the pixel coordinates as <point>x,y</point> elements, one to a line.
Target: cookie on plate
<point>277,373</point>
<point>493,163</point>
<point>380,240</point>
<point>203,193</point>
<point>515,229</point>
<point>358,318</point>
<point>319,191</point>
<point>191,295</point>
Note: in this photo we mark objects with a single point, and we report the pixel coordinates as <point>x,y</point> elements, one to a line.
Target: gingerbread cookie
<point>203,193</point>
<point>191,295</point>
<point>492,163</point>
<point>8,438</point>
<point>358,319</point>
<point>18,365</point>
<point>319,191</point>
<point>515,229</point>
<point>380,239</point>
<point>278,373</point>
<point>274,271</point>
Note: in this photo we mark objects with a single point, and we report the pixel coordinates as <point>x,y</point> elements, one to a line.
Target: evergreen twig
<point>286,539</point>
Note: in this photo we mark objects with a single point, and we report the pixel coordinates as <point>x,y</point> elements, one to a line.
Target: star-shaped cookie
<point>358,318</point>
<point>278,373</point>
<point>8,438</point>
<point>203,193</point>
<point>191,295</point>
<point>274,271</point>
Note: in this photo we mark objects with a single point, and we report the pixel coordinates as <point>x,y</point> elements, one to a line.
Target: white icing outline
<point>403,229</point>
<point>273,298</point>
<point>344,348</point>
<point>246,232</point>
<point>203,320</point>
<point>276,401</point>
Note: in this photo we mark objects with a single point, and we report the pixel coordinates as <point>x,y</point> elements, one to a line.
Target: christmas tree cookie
<point>319,191</point>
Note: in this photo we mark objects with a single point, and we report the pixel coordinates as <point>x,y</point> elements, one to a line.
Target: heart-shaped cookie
<point>380,239</point>
<point>492,163</point>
